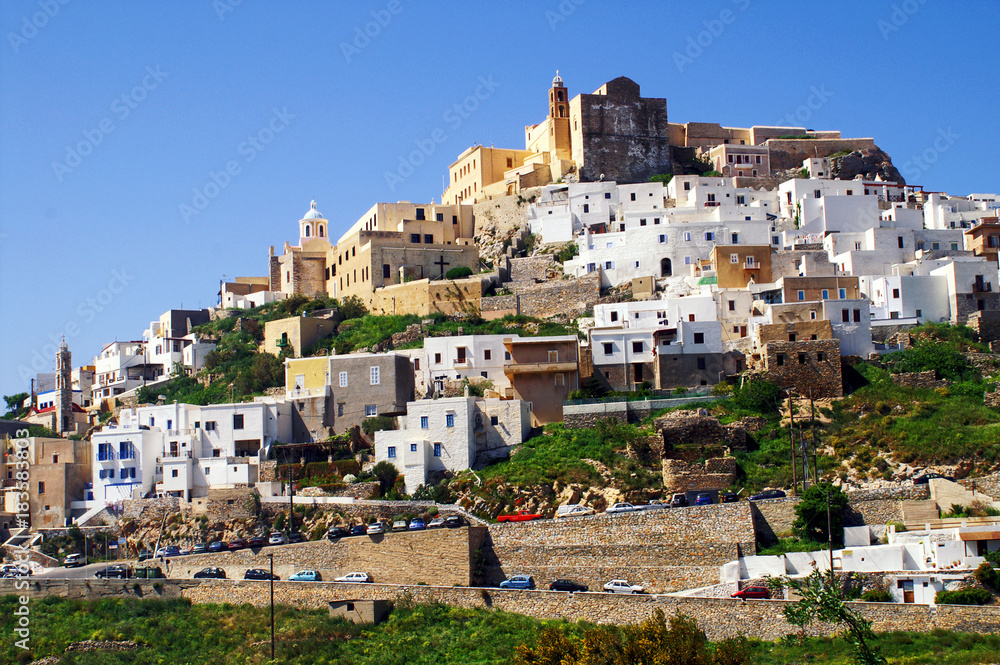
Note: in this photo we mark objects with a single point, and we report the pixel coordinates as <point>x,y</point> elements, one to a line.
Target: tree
<point>820,600</point>
<point>352,307</point>
<point>386,474</point>
<point>14,402</point>
<point>811,520</point>
<point>267,371</point>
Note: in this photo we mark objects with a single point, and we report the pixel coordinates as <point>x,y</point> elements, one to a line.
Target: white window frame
<point>343,379</point>
<point>375,373</point>
<point>371,410</point>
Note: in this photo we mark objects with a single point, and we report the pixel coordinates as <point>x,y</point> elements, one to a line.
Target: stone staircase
<point>946,493</point>
<point>916,514</point>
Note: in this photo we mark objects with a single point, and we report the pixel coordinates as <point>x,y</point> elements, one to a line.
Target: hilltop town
<point>624,314</point>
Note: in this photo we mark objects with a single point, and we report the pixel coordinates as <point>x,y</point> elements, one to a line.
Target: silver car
<point>621,507</point>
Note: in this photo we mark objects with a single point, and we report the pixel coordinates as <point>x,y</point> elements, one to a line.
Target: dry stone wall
<point>926,379</point>
<point>719,617</point>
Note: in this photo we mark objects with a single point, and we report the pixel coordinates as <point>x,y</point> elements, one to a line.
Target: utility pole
<point>829,529</point>
<point>291,503</point>
<point>271,556</point>
<point>812,407</point>
<point>791,440</point>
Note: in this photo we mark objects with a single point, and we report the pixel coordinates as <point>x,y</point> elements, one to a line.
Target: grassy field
<point>178,633</point>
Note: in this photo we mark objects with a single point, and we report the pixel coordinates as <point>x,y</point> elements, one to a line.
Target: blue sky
<point>149,149</point>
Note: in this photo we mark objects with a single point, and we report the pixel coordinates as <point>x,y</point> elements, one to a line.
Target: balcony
<point>748,265</point>
<point>982,287</point>
<point>462,363</point>
<point>106,457</point>
<point>712,204</point>
<point>540,367</point>
<point>281,342</point>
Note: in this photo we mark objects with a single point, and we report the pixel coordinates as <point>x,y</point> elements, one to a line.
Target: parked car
<point>768,494</point>
<point>622,586</point>
<point>400,525</point>
<point>14,570</point>
<point>518,582</point>
<point>276,538</point>
<point>454,522</point>
<point>375,528</point>
<point>753,592</point>
<point>359,530</point>
<point>654,505</point>
<point>160,553</point>
<point>519,516</point>
<point>145,555</point>
<point>573,510</point>
<point>417,524</point>
<point>355,577</point>
<point>199,548</point>
<point>75,560</point>
<point>117,571</point>
<point>306,576</point>
<point>210,574</point>
<point>703,499</point>
<point>187,550</point>
<point>337,532</point>
<point>621,507</point>
<point>679,500</point>
<point>296,537</point>
<point>172,550</point>
<point>730,497</point>
<point>567,585</point>
<point>436,523</point>
<point>927,477</point>
<point>217,546</point>
<point>258,574</point>
<point>257,541</point>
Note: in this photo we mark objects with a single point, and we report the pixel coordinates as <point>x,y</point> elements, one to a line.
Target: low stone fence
<point>718,617</point>
<point>588,415</point>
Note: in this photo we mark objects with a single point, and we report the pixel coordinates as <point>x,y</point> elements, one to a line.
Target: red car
<point>519,516</point>
<point>753,592</point>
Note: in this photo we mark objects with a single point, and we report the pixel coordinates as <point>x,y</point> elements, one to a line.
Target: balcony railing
<point>105,457</point>
<point>751,265</point>
<point>982,287</point>
<point>712,204</point>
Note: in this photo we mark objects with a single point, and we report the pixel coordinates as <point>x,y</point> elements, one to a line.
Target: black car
<point>211,574</point>
<point>257,541</point>
<point>295,537</point>
<point>924,479</point>
<point>454,522</point>
<point>337,532</point>
<point>118,572</point>
<point>567,585</point>
<point>200,548</point>
<point>217,546</point>
<point>730,497</point>
<point>679,501</point>
<point>359,530</point>
<point>768,494</point>
<point>258,574</point>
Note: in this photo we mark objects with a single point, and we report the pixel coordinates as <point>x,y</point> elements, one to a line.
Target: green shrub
<point>963,597</point>
<point>758,396</point>
<point>876,596</point>
<point>458,273</point>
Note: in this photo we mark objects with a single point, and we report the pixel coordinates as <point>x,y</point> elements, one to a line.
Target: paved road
<point>63,573</point>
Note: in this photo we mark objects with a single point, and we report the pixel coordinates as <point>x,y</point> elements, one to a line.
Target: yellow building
<point>396,243</point>
<point>736,266</point>
<point>425,297</point>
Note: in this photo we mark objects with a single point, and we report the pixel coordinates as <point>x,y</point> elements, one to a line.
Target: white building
<point>702,192</point>
<point>122,366</point>
<point>944,212</point>
<point>458,357</point>
<point>185,449</point>
<point>652,313</point>
<point>921,297</point>
<point>451,435</point>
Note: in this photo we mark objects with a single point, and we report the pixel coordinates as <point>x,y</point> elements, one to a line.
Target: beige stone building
<point>294,334</point>
<point>59,470</point>
<point>396,243</point>
<point>542,372</point>
<point>302,268</point>
<point>736,266</point>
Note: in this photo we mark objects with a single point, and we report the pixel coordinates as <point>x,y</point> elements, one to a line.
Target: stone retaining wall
<point>718,617</point>
<point>926,379</point>
<point>588,415</point>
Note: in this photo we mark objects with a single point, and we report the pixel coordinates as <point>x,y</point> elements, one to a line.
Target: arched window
<point>308,230</point>
<point>666,270</point>
<point>322,231</point>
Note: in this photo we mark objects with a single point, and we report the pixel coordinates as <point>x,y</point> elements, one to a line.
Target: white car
<point>74,560</point>
<point>376,527</point>
<point>621,508</point>
<point>622,586</point>
<point>573,510</point>
<point>355,577</point>
<point>276,538</point>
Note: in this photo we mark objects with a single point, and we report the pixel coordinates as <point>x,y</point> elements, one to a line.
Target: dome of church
<point>557,80</point>
<point>313,213</point>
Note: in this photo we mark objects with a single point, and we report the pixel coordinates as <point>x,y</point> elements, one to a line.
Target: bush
<point>352,307</point>
<point>988,576</point>
<point>458,273</point>
<point>758,396</point>
<point>963,597</point>
<point>377,424</point>
<point>876,596</point>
